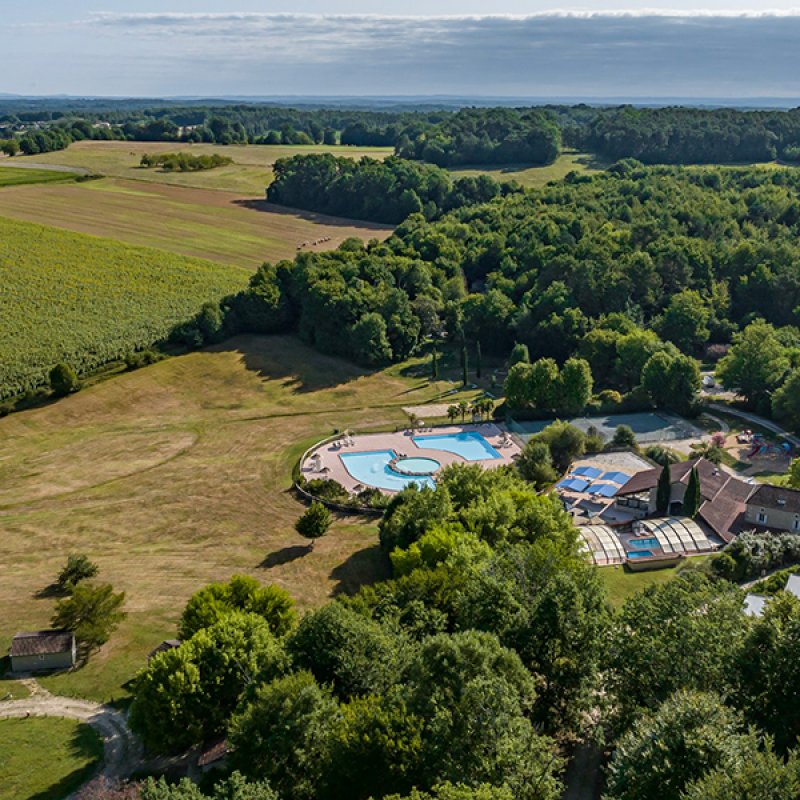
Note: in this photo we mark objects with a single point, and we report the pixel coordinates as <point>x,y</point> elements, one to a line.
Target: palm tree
<point>452,413</point>
<point>463,407</point>
<point>488,406</point>
<point>413,420</point>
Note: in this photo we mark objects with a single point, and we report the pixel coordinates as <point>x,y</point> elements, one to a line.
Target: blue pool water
<point>643,544</point>
<point>640,554</point>
<point>418,466</point>
<point>372,468</point>
<point>470,445</point>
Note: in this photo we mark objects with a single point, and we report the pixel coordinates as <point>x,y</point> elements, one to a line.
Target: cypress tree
<point>692,498</point>
<point>434,364</point>
<point>664,490</point>
<point>478,359</point>
<point>464,365</point>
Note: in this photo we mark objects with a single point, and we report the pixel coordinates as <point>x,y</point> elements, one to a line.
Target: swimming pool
<point>641,554</point>
<point>643,544</point>
<point>372,469</point>
<point>416,466</point>
<point>470,445</point>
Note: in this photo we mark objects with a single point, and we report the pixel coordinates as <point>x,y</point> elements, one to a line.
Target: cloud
<point>558,53</point>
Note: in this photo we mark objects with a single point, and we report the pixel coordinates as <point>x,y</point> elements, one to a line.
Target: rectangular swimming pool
<point>640,554</point>
<point>643,544</point>
<point>470,445</point>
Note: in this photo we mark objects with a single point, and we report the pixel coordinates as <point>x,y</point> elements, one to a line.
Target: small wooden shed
<point>42,651</point>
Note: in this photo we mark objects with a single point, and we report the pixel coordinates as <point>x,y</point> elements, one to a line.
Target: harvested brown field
<point>179,474</point>
<point>205,223</point>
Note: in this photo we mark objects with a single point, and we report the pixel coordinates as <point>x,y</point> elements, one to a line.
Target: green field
<point>176,475</point>
<point>45,758</point>
<point>249,174</point>
<point>85,300</point>
<point>12,176</point>
<point>534,177</point>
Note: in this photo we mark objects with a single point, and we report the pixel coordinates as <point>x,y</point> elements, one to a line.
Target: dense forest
<point>470,672</point>
<point>615,269</point>
<point>439,136</point>
<point>380,191</point>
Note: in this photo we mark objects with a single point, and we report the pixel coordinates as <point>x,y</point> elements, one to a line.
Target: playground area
<point>650,427</point>
<point>758,455</point>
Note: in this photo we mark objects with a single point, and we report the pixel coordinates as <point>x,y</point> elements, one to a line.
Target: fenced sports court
<point>650,426</point>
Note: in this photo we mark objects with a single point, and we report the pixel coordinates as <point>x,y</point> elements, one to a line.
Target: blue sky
<point>457,47</point>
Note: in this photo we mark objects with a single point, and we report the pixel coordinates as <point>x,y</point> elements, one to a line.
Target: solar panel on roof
<point>588,472</point>
<point>603,489</point>
<point>619,478</point>
<point>576,484</point>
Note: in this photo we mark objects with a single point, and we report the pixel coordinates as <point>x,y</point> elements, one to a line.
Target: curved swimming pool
<point>372,469</point>
<point>470,445</point>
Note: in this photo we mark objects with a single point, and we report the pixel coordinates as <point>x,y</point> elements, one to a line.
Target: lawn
<point>179,474</point>
<point>45,758</point>
<point>85,300</point>
<point>10,176</point>
<point>250,173</point>
<point>534,177</point>
<point>621,584</point>
<point>211,224</point>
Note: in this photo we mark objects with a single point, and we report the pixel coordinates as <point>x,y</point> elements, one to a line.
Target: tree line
<point>184,162</point>
<point>444,137</point>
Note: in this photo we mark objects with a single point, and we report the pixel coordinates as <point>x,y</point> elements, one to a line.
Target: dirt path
<point>123,754</point>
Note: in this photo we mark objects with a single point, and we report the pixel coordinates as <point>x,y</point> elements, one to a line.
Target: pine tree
<point>664,490</point>
<point>692,498</point>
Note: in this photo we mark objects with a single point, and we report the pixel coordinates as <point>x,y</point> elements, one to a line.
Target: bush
<point>63,380</point>
<point>662,455</point>
<point>326,489</point>
<point>314,523</point>
<point>624,439</point>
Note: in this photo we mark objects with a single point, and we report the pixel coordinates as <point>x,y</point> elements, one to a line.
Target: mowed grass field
<point>250,173</point>
<point>534,177</point>
<point>179,474</point>
<point>86,301</point>
<point>45,758</point>
<point>203,223</point>
<point>17,176</point>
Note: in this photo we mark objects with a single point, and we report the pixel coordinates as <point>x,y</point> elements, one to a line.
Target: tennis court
<point>649,427</point>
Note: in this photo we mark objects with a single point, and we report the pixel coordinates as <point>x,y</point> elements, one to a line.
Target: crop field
<point>12,176</point>
<point>178,474</point>
<point>203,223</point>
<point>85,300</point>
<point>250,173</point>
<point>534,177</point>
<point>45,758</point>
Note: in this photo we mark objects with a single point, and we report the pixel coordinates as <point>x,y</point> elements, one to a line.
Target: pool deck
<point>331,466</point>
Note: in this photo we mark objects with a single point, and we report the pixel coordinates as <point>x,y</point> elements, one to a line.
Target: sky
<point>467,48</point>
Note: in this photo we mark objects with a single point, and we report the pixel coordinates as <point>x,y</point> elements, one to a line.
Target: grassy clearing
<point>86,301</point>
<point>621,584</point>
<point>9,176</point>
<point>534,177</point>
<point>179,474</point>
<point>45,759</point>
<point>250,173</point>
<point>215,225</point>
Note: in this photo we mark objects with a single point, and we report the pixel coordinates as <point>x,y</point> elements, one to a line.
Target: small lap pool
<point>640,554</point>
<point>372,469</point>
<point>643,544</point>
<point>470,445</point>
